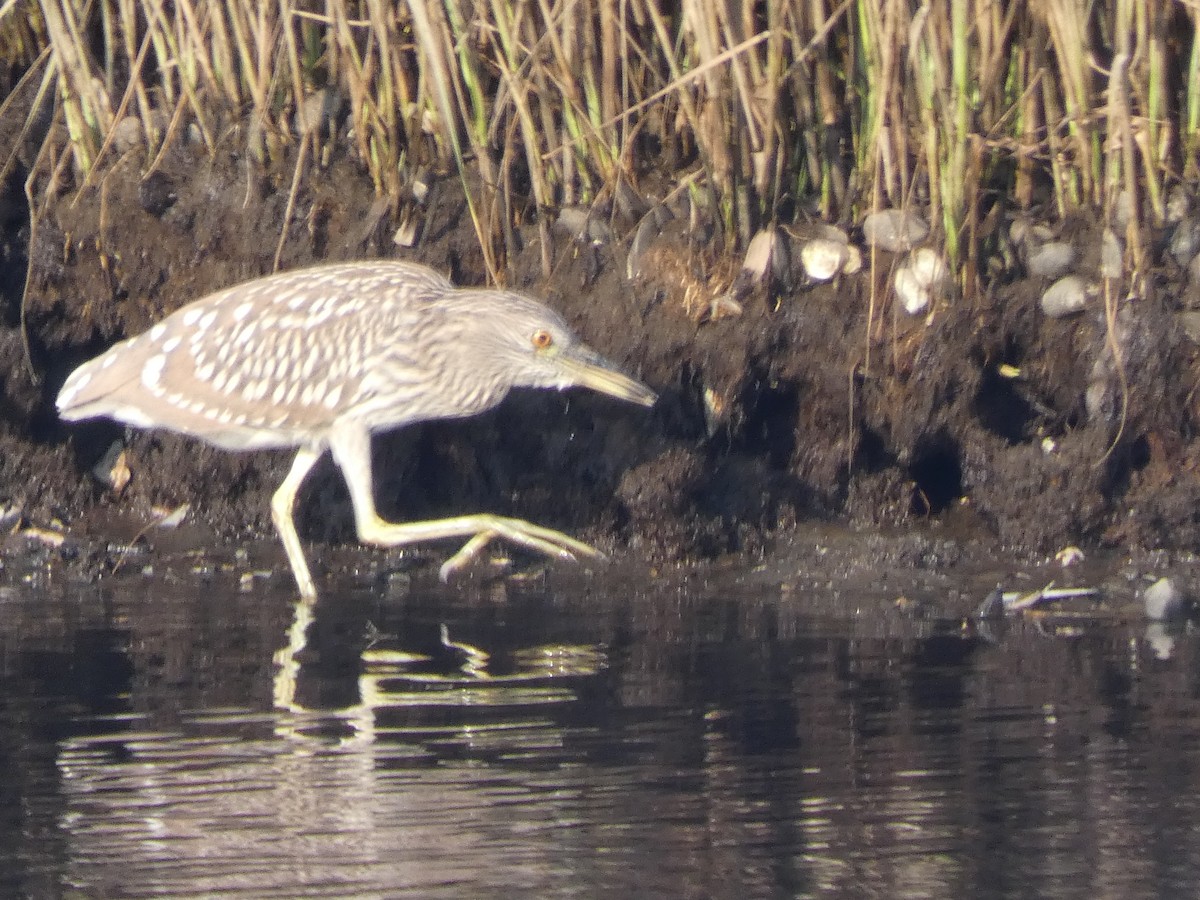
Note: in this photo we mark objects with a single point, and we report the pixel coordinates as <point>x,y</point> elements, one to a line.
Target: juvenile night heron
<point>324,357</point>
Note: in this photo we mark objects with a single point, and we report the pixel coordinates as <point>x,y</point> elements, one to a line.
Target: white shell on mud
<point>928,267</point>
<point>913,295</point>
<point>1163,600</point>
<point>916,281</point>
<point>853,261</point>
<point>1066,296</point>
<point>1050,260</point>
<point>715,407</point>
<point>894,230</point>
<point>1069,556</point>
<point>763,254</point>
<point>824,259</point>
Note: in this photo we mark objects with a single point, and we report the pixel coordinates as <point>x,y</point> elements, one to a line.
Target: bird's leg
<point>351,446</point>
<point>283,501</point>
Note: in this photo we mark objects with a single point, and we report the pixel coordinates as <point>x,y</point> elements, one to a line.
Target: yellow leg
<point>282,503</point>
<point>351,446</point>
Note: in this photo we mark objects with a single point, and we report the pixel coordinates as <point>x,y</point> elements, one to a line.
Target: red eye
<point>541,339</point>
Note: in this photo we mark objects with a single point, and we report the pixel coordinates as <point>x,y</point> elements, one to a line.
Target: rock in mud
<point>894,230</point>
<point>1067,296</point>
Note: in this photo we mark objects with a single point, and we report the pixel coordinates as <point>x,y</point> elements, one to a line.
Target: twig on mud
<point>1017,601</point>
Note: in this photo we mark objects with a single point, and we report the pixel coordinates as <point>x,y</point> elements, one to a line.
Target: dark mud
<point>812,404</point>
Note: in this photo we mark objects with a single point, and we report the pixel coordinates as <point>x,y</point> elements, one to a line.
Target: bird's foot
<point>517,531</point>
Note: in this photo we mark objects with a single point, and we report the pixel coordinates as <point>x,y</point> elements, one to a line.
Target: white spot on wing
<point>190,316</point>
<point>171,343</point>
<point>152,372</point>
<point>158,331</point>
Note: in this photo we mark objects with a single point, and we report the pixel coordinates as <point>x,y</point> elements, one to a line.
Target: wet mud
<point>823,403</point>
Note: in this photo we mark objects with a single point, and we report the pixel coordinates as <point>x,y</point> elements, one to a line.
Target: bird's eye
<point>542,339</point>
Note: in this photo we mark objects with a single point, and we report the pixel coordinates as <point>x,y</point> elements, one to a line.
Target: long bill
<point>591,370</point>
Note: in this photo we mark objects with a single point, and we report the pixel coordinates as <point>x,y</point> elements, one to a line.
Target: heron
<point>323,358</point>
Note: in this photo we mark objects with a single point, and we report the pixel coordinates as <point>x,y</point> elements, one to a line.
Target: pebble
<point>914,296</point>
<point>766,261</point>
<point>1163,600</point>
<point>1050,260</point>
<point>916,281</point>
<point>894,230</point>
<point>1066,296</point>
<point>823,259</point>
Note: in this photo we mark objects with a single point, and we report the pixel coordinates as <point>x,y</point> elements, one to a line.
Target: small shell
<point>763,255</point>
<point>928,268</point>
<point>1069,556</point>
<point>715,407</point>
<point>1066,296</point>
<point>168,518</point>
<point>1018,231</point>
<point>1163,600</point>
<point>824,259</point>
<point>914,296</point>
<point>1050,260</point>
<point>853,261</point>
<point>894,230</point>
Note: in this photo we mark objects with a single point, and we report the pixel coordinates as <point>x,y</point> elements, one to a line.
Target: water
<point>632,742</point>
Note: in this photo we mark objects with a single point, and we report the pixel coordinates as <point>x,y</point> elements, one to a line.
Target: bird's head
<point>524,343</point>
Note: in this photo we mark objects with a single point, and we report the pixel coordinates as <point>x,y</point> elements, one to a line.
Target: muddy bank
<point>821,402</point>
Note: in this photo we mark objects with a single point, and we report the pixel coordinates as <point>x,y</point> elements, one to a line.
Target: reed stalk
<point>849,104</point>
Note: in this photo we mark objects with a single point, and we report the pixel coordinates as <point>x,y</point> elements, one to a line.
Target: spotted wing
<point>272,362</point>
